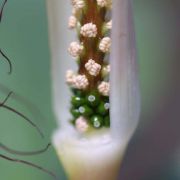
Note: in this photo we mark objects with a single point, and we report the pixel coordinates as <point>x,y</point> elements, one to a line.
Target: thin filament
<point>28,164</point>
<point>20,114</point>
<point>8,60</point>
<point>2,8</point>
<point>23,153</point>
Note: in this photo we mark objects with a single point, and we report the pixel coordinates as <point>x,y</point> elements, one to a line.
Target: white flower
<point>105,44</point>
<point>75,49</point>
<point>104,88</point>
<point>81,124</point>
<point>78,4</point>
<point>70,77</point>
<point>80,82</point>
<point>89,30</point>
<point>92,67</point>
<point>104,3</point>
<point>109,25</point>
<point>72,22</point>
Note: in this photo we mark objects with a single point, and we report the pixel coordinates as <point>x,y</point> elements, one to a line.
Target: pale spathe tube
<point>97,157</point>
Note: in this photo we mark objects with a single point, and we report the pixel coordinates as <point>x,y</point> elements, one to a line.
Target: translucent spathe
<point>124,97</point>
<point>76,151</point>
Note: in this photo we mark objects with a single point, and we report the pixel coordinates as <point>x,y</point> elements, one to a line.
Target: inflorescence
<point>90,85</point>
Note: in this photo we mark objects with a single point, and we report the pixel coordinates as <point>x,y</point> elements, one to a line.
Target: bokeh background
<point>154,151</point>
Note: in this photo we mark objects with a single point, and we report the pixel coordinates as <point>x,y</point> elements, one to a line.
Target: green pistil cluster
<point>92,106</point>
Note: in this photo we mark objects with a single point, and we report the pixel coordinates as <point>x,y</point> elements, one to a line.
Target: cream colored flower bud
<point>105,44</point>
<point>109,25</point>
<point>72,22</point>
<point>106,70</point>
<point>70,77</point>
<point>75,49</point>
<point>78,4</point>
<point>81,82</point>
<point>104,3</point>
<point>92,67</point>
<point>104,88</point>
<point>81,124</point>
<point>89,30</point>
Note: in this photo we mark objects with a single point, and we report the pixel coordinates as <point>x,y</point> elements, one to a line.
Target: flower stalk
<point>93,147</point>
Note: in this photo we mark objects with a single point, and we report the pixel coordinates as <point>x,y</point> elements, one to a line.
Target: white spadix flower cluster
<point>89,30</point>
<point>92,67</point>
<point>76,81</point>
<point>75,49</point>
<point>104,88</point>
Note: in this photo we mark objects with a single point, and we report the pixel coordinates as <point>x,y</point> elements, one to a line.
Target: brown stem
<point>96,16</point>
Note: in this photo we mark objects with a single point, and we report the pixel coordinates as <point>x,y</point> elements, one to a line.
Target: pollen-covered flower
<point>81,124</point>
<point>89,30</point>
<point>104,3</point>
<point>70,77</point>
<point>78,4</point>
<point>72,22</point>
<point>75,49</point>
<point>104,88</point>
<point>92,67</point>
<point>105,44</point>
<point>80,82</point>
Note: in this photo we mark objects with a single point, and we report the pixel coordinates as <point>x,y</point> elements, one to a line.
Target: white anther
<point>92,67</point>
<point>70,77</point>
<point>89,30</point>
<point>72,22</point>
<point>104,88</point>
<point>81,124</point>
<point>104,3</point>
<point>109,25</point>
<point>105,44</point>
<point>80,82</point>
<point>78,4</point>
<point>75,49</point>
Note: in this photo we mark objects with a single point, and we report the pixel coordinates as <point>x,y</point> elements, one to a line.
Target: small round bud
<point>104,88</point>
<point>75,49</point>
<point>70,77</point>
<point>106,70</point>
<point>72,22</point>
<point>77,101</point>
<point>92,99</point>
<point>85,110</point>
<point>75,112</point>
<point>103,108</point>
<point>89,30</point>
<point>81,124</point>
<point>109,25</point>
<point>97,121</point>
<point>92,67</point>
<point>81,82</point>
<point>105,44</point>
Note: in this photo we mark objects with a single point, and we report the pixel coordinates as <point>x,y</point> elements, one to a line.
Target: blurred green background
<point>24,38</point>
